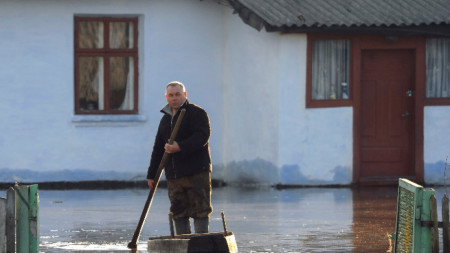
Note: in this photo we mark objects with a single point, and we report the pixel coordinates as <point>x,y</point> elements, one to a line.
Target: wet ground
<point>263,219</point>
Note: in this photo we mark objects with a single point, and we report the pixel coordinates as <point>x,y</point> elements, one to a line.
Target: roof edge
<point>431,30</point>
<point>252,19</point>
<point>248,16</point>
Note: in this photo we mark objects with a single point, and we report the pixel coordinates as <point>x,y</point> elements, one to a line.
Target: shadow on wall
<point>436,173</point>
<point>262,172</point>
<point>247,172</point>
<point>26,175</point>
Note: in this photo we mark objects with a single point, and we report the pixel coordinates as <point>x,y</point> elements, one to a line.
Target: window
<point>328,82</point>
<point>438,68</point>
<point>106,60</point>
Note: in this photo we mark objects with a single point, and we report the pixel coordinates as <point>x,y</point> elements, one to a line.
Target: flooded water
<point>262,219</point>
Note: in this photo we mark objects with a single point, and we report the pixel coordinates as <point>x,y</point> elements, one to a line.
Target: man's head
<point>175,94</point>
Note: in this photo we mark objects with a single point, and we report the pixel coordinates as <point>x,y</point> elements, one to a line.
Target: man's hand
<point>174,148</point>
<point>150,183</point>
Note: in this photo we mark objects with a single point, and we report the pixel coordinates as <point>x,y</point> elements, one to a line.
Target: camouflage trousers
<point>190,196</point>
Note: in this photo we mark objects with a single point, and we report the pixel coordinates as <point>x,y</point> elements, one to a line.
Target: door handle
<point>406,114</point>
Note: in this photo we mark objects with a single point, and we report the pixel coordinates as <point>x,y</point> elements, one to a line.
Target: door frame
<point>372,42</point>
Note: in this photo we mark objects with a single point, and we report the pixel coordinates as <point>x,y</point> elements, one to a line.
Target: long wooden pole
<point>133,244</point>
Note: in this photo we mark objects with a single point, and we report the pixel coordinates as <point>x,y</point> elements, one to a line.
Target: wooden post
<point>434,230</point>
<point>172,231</point>
<point>445,224</point>
<point>2,225</point>
<point>10,221</point>
<point>22,221</point>
<point>225,230</point>
<point>426,243</point>
<point>27,205</point>
<point>33,215</point>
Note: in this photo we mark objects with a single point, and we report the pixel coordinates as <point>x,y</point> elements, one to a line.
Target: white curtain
<point>128,101</point>
<point>130,35</point>
<point>438,68</point>
<point>121,35</point>
<point>99,84</point>
<point>330,69</point>
<point>91,34</point>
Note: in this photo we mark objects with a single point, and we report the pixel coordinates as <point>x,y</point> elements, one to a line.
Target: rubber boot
<point>182,226</point>
<point>201,225</point>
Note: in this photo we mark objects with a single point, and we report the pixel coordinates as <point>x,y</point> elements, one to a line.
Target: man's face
<point>175,96</point>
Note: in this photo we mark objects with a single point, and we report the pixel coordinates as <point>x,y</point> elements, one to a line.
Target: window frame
<point>311,103</point>
<point>106,53</point>
<point>433,100</point>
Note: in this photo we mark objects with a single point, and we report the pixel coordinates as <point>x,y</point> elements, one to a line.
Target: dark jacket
<point>193,139</point>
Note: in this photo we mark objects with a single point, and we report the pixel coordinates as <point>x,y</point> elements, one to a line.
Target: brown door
<point>387,124</point>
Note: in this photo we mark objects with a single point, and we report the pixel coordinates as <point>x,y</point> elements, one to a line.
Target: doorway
<point>386,122</point>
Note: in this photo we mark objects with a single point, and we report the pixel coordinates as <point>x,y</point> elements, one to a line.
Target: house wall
<point>437,144</point>
<point>251,83</point>
<point>41,137</point>
<point>270,136</point>
<point>315,144</point>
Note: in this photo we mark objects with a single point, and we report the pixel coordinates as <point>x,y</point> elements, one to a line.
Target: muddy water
<point>263,219</point>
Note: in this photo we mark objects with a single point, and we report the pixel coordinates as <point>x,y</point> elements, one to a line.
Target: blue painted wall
<point>437,144</point>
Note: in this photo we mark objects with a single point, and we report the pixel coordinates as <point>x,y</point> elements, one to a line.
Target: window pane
<point>90,34</point>
<point>91,83</point>
<point>330,69</point>
<point>438,68</point>
<point>121,35</point>
<point>121,79</point>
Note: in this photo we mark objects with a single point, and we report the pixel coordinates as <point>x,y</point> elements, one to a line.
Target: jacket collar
<point>168,110</point>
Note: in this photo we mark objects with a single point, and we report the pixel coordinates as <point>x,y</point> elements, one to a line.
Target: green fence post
<point>27,222</point>
<point>22,221</point>
<point>33,214</point>
<point>413,207</point>
<point>426,231</point>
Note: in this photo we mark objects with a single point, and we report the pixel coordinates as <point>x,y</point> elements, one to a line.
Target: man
<point>188,167</point>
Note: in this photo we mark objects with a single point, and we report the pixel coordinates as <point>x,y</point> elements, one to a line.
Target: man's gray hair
<point>174,84</point>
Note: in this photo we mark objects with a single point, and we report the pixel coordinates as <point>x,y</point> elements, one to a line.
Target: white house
<point>298,92</point>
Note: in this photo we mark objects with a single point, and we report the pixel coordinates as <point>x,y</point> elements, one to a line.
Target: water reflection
<point>374,214</point>
<point>263,219</point>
